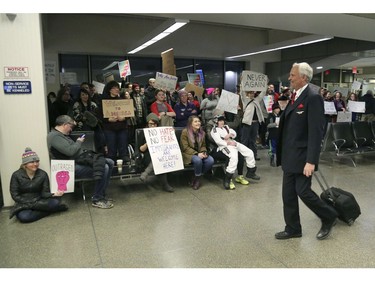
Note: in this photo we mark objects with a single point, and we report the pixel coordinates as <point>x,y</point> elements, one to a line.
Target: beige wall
<point>23,117</point>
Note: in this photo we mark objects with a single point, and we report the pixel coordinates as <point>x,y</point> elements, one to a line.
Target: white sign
<point>253,81</point>
<point>268,102</point>
<point>344,116</point>
<point>165,81</point>
<point>62,176</point>
<point>50,71</point>
<point>99,87</point>
<point>16,72</point>
<point>356,85</point>
<point>357,106</point>
<point>329,108</point>
<point>164,149</point>
<point>228,102</point>
<point>124,68</point>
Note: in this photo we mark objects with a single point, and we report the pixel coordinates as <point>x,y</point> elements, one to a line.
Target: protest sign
<point>62,175</point>
<point>228,102</point>
<point>253,81</point>
<point>118,108</point>
<point>164,149</point>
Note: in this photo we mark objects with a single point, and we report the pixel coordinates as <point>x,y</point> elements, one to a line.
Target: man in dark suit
<point>301,132</point>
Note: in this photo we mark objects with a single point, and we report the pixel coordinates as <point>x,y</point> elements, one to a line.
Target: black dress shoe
<point>257,158</point>
<point>287,235</point>
<point>325,230</point>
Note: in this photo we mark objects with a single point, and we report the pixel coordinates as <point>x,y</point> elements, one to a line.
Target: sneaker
<point>242,180</point>
<point>102,204</point>
<point>231,185</point>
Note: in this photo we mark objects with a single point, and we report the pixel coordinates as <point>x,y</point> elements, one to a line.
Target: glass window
<point>213,72</point>
<point>98,63</point>
<point>183,67</point>
<point>77,64</point>
<point>233,70</point>
<point>143,69</point>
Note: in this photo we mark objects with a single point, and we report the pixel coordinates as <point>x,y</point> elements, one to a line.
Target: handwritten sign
<point>62,175</point>
<point>228,102</point>
<point>344,116</point>
<point>356,85</point>
<point>118,108</point>
<point>50,71</point>
<point>253,81</point>
<point>124,68</point>
<point>329,108</point>
<point>357,106</point>
<point>164,149</point>
<point>165,81</point>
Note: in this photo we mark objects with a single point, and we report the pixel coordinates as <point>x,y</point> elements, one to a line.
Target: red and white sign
<point>16,72</point>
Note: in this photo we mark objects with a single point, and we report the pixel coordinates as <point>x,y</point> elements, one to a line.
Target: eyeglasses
<point>152,124</point>
<point>71,124</point>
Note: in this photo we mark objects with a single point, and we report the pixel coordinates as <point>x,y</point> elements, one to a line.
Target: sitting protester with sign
<point>30,189</point>
<point>61,146</point>
<point>152,121</point>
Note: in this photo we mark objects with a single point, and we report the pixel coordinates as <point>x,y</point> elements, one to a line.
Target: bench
<point>349,139</point>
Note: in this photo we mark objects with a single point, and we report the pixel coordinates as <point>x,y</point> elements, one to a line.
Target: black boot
<point>251,173</point>
<point>227,179</point>
<point>165,184</point>
<point>196,184</point>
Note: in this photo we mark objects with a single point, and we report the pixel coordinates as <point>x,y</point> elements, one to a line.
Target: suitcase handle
<point>325,182</point>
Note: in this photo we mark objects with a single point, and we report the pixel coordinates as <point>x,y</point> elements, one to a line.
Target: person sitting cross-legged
<point>224,138</point>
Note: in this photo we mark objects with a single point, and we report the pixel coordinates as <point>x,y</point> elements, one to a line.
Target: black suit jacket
<point>301,131</point>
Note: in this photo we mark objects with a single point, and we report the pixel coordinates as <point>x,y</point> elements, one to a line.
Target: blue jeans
<point>82,171</point>
<point>117,143</point>
<point>41,210</point>
<point>202,166</point>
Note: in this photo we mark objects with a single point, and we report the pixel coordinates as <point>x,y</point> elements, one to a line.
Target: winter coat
<point>27,192</point>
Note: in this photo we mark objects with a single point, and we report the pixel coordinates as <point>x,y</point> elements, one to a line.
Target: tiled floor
<point>207,228</point>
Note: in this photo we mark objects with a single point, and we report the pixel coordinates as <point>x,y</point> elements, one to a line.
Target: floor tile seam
<point>95,236</point>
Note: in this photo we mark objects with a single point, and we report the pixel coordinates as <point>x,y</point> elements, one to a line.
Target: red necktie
<point>293,97</point>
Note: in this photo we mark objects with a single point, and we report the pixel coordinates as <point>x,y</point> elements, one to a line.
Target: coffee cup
<point>119,164</point>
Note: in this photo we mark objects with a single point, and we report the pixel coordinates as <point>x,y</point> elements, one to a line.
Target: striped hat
<point>29,156</point>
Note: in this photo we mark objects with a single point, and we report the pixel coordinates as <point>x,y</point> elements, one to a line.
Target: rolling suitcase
<point>343,201</point>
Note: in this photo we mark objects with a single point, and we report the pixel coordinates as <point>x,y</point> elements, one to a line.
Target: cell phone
<point>83,136</point>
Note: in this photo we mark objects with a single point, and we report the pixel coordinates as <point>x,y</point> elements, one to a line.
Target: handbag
<point>166,121</point>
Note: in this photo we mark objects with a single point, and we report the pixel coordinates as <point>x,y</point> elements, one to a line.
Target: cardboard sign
<point>197,90</point>
<point>253,81</point>
<point>118,108</point>
<point>164,149</point>
<point>62,176</point>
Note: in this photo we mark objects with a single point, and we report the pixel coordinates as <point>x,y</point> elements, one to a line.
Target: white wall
<point>23,117</point>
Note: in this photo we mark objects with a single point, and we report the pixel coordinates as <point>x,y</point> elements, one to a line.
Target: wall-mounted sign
<point>17,87</point>
<point>16,72</point>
